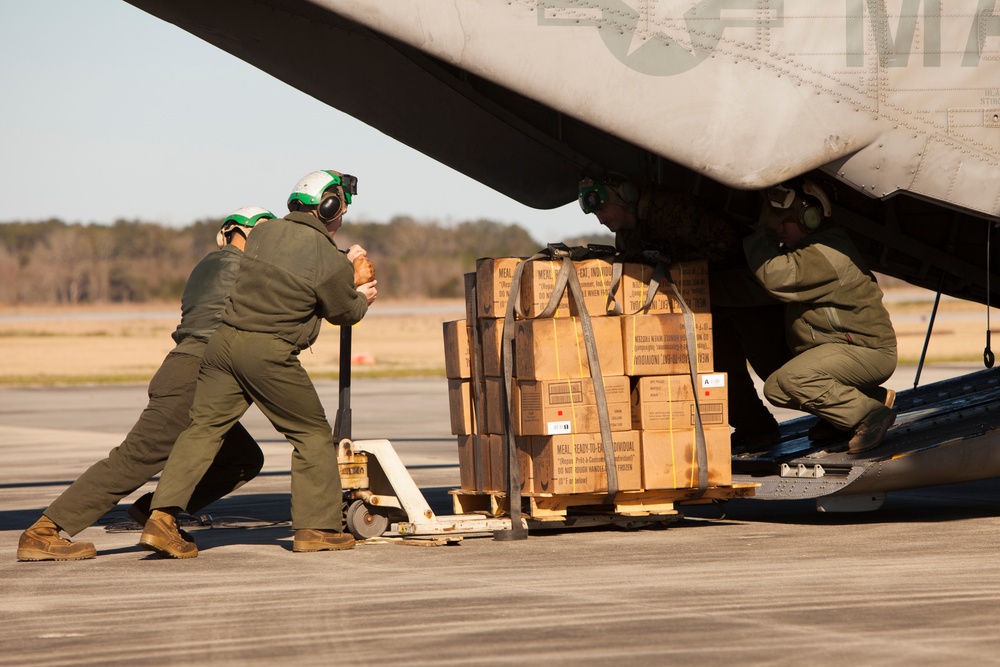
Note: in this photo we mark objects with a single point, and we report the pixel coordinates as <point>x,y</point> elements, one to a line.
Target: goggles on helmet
<point>350,185</point>
<point>781,197</point>
<point>593,197</point>
<point>310,189</point>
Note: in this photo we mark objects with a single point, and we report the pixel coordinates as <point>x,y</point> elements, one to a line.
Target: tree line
<point>54,262</point>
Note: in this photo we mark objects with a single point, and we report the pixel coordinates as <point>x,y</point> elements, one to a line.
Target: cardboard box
<point>690,277</point>
<point>553,407</point>
<point>471,305</point>
<point>491,331</point>
<point>564,464</point>
<point>461,407</point>
<point>467,459</point>
<point>669,460</point>
<point>539,279</point>
<point>678,414</point>
<point>457,350</point>
<point>664,402</point>
<point>496,413</point>
<point>657,344</point>
<point>493,279</point>
<point>495,459</point>
<point>553,348</point>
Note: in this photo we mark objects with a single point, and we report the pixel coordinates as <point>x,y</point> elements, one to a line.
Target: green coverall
<point>746,320</point>
<point>836,326</point>
<point>291,279</point>
<point>145,449</point>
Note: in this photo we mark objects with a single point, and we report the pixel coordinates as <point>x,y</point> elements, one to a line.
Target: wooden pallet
<point>547,506</point>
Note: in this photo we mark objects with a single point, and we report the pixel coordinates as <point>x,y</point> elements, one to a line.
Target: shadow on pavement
<point>263,518</point>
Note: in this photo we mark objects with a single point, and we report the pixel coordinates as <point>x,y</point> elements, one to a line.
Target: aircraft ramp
<point>945,432</point>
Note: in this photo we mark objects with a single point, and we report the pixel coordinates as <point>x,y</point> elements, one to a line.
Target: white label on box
<point>558,428</point>
<point>713,380</point>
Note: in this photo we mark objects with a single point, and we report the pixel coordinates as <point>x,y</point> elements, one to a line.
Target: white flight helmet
<point>245,219</point>
<point>329,191</point>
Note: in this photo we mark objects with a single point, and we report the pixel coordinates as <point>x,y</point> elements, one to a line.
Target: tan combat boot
<point>823,431</point>
<point>871,431</point>
<point>162,536</point>
<point>311,539</point>
<point>42,541</point>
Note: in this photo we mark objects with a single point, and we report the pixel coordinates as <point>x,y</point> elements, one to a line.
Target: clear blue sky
<point>108,112</point>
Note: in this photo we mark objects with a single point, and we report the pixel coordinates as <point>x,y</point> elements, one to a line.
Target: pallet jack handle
<point>342,425</point>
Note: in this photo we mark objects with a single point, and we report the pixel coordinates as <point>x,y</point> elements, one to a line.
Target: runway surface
<point>916,582</point>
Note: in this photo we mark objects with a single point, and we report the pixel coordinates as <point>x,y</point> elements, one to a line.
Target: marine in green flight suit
<point>836,324</point>
<point>145,449</point>
<point>746,320</point>
<point>291,279</point>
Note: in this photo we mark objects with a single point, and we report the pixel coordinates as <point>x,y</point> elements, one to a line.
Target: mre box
<point>690,277</point>
<point>553,348</point>
<point>664,402</point>
<point>563,464</point>
<point>657,344</point>
<point>553,407</point>
<point>669,459</point>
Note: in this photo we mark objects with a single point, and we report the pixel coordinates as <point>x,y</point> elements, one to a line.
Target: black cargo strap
<point>701,450</point>
<point>648,257</point>
<point>613,307</point>
<point>478,400</point>
<point>660,273</point>
<point>567,276</point>
<point>517,530</point>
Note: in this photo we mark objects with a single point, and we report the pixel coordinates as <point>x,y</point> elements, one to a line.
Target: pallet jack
<point>381,498</point>
<point>379,493</point>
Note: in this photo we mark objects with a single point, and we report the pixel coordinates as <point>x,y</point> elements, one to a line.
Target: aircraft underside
<point>532,151</point>
<point>445,79</point>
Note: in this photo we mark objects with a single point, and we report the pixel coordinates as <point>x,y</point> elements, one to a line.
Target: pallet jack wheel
<point>365,522</point>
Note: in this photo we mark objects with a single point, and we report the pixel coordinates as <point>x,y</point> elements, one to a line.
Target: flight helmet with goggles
<point>593,195</point>
<point>244,219</point>
<point>807,202</point>
<point>314,189</point>
<point>607,188</point>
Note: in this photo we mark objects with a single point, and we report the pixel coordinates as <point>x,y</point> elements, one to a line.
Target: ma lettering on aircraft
<point>892,104</point>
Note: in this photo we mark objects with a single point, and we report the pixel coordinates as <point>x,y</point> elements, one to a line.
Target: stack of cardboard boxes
<point>554,416</point>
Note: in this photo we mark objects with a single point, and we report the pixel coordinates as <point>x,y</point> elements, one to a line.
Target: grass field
<point>114,343</point>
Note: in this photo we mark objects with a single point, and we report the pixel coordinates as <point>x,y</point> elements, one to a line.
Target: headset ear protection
<point>810,216</point>
<point>330,206</point>
<point>816,207</point>
<point>628,191</point>
<point>810,204</point>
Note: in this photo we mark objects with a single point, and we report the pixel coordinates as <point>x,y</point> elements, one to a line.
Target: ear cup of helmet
<point>330,206</point>
<point>816,206</point>
<point>811,217</point>
<point>629,192</point>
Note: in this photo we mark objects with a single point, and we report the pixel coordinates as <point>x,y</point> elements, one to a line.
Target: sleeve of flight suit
<point>339,301</point>
<point>801,275</point>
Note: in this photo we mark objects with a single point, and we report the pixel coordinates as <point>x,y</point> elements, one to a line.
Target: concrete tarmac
<point>916,582</point>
